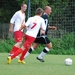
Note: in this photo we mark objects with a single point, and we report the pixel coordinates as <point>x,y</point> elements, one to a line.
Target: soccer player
<point>34,24</point>
<point>17,20</point>
<point>43,39</point>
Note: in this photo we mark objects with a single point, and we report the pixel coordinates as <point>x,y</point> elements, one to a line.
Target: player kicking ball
<point>34,24</point>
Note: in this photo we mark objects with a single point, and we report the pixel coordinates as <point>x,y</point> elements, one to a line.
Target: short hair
<point>39,11</point>
<point>23,4</point>
<point>46,7</point>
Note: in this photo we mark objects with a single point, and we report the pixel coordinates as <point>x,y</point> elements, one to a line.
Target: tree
<point>7,9</point>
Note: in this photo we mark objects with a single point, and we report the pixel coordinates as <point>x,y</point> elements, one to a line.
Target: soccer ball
<point>68,61</point>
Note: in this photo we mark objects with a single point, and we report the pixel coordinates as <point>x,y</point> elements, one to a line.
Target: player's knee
<point>49,45</point>
<point>35,47</point>
<point>20,43</point>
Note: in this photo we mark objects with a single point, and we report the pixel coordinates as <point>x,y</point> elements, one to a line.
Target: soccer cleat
<point>9,60</point>
<point>23,62</point>
<point>41,60</point>
<point>19,61</point>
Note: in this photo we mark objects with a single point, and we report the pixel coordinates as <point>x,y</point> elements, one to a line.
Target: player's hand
<point>22,26</point>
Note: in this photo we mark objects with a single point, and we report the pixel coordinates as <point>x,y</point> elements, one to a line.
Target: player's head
<point>23,7</point>
<point>47,10</point>
<point>39,11</point>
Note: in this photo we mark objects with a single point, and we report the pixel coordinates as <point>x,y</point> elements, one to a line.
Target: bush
<point>64,45</point>
<point>60,46</point>
<point>6,45</point>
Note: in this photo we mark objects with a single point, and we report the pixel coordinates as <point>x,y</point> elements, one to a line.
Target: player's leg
<point>27,45</point>
<point>15,48</point>
<point>34,47</point>
<point>20,50</point>
<point>14,55</point>
<point>45,50</point>
<point>18,35</point>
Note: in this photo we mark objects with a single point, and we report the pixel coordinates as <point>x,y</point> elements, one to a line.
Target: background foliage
<point>65,46</point>
<point>63,11</point>
<point>62,16</point>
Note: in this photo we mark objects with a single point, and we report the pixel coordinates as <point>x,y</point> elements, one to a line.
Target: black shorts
<point>42,40</point>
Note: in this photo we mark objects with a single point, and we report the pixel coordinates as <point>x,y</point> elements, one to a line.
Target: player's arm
<point>11,28</point>
<point>13,19</point>
<point>25,25</point>
<point>43,27</point>
<point>42,31</point>
<point>52,27</point>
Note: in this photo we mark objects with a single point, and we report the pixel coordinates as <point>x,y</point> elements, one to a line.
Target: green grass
<point>53,65</point>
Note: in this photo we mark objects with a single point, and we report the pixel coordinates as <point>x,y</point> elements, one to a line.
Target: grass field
<point>53,65</point>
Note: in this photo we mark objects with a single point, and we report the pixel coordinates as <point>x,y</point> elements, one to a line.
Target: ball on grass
<point>68,61</point>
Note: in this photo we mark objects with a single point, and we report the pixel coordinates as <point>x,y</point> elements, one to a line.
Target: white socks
<point>43,53</point>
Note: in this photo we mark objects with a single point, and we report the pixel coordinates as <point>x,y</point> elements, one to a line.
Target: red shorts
<point>28,41</point>
<point>18,36</point>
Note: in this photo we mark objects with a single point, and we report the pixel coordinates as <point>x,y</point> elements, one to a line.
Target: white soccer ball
<point>68,61</point>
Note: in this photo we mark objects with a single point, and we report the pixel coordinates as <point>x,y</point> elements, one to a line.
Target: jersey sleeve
<point>43,25</point>
<point>14,18</point>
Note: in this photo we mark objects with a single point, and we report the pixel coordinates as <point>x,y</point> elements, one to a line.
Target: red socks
<point>16,53</point>
<point>14,49</point>
<point>23,54</point>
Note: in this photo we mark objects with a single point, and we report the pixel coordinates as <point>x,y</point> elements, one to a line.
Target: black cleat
<point>41,60</point>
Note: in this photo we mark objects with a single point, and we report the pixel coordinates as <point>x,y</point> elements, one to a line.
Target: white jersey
<point>34,24</point>
<point>18,19</point>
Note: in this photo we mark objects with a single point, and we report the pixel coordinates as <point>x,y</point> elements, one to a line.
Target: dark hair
<point>39,11</point>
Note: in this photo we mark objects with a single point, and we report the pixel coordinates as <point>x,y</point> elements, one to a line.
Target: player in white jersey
<point>17,20</point>
<point>34,24</point>
<point>43,39</point>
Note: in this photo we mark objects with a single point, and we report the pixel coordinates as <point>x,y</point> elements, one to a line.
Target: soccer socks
<point>14,49</point>
<point>30,50</point>
<point>17,53</point>
<point>43,53</point>
<point>23,54</point>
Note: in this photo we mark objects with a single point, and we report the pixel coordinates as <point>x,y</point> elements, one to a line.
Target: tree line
<point>63,11</point>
